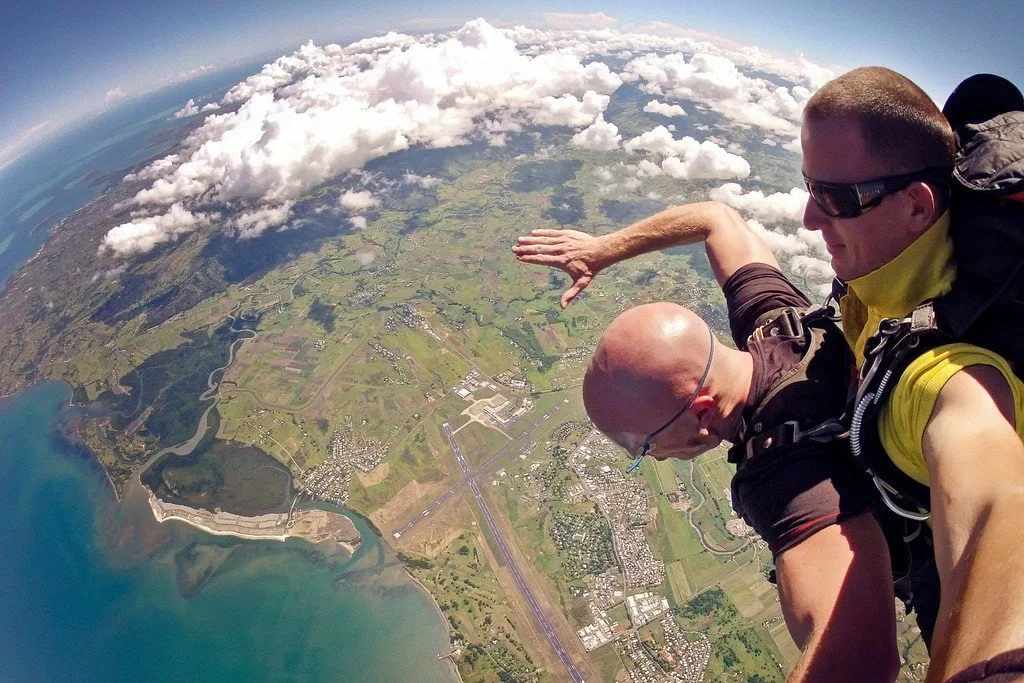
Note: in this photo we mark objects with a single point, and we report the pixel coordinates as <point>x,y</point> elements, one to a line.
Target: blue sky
<point>62,60</point>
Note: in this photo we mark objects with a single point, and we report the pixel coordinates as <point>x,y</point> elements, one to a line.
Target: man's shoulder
<point>914,399</point>
<point>755,290</point>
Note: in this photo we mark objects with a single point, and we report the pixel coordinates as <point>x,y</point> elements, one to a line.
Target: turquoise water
<point>90,589</point>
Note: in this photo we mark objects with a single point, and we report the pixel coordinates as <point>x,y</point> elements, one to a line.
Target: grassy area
<point>737,647</point>
<point>481,625</point>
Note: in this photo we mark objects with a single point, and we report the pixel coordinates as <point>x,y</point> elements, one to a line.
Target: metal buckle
<point>783,435</point>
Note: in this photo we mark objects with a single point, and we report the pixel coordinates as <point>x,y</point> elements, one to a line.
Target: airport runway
<point>521,582</point>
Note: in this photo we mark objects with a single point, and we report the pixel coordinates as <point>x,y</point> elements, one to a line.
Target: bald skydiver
<point>660,383</point>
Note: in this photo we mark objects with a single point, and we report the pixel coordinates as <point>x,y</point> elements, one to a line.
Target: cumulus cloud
<point>716,81</point>
<point>325,111</point>
<point>688,159</point>
<point>775,208</point>
<point>811,268</point>
<point>648,169</point>
<point>322,111</point>
<point>358,200</point>
<point>663,108</point>
<point>142,234</point>
<point>255,222</point>
<point>357,222</point>
<point>600,136</point>
<point>779,242</point>
<point>570,20</point>
<point>190,109</point>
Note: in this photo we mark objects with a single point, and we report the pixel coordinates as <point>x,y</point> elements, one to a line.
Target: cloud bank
<point>321,112</point>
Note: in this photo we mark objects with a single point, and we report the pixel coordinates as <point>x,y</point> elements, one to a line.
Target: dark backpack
<point>985,305</point>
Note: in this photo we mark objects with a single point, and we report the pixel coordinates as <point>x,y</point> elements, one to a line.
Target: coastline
<point>314,526</point>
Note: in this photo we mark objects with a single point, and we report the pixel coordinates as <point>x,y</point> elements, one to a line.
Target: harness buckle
<point>785,434</point>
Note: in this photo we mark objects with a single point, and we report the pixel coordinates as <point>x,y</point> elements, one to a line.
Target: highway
<point>430,509</point>
<point>524,587</point>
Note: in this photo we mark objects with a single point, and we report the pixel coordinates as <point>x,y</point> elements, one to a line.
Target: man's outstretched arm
<point>976,466</point>
<point>835,588</point>
<point>729,241</point>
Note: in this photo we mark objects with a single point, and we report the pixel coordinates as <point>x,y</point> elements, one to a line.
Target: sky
<point>64,59</point>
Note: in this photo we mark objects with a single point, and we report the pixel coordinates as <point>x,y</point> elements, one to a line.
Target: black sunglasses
<point>646,448</point>
<point>849,200</point>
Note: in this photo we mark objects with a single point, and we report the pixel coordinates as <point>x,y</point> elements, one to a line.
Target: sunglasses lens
<point>835,201</point>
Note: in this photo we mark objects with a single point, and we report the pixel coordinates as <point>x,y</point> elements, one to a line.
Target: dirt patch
<point>374,476</point>
<point>403,505</point>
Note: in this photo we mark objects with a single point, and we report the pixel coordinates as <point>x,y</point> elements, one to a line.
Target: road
<point>524,587</point>
<point>458,485</point>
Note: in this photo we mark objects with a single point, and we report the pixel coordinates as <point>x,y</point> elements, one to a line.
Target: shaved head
<point>649,359</point>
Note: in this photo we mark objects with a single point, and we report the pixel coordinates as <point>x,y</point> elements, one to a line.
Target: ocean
<point>93,590</point>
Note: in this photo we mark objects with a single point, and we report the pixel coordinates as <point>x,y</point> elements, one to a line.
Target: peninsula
<point>315,526</point>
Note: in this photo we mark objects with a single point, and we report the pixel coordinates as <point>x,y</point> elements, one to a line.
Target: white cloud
<point>779,242</point>
<point>648,169</point>
<point>114,95</point>
<point>569,110</point>
<point>142,234</point>
<point>811,268</point>
<point>775,208</point>
<point>424,181</point>
<point>688,159</point>
<point>663,108</point>
<point>604,173</point>
<point>190,109</point>
<point>716,81</point>
<point>255,222</point>
<point>110,273</point>
<point>358,222</point>
<point>325,111</point>
<point>210,106</point>
<point>358,200</point>
<point>570,20</point>
<point>600,136</point>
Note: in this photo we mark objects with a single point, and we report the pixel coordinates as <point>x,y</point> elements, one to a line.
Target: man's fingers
<point>539,239</point>
<point>574,291</point>
<point>546,232</point>
<point>541,259</point>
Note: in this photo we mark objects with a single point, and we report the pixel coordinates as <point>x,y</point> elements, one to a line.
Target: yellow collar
<point>922,271</point>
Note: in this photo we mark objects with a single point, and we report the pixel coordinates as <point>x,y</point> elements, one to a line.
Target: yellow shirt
<point>922,271</point>
<point>906,414</point>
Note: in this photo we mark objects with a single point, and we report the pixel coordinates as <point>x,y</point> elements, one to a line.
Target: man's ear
<point>705,410</point>
<point>925,206</point>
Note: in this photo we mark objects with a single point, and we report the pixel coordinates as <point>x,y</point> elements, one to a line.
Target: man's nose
<point>814,217</point>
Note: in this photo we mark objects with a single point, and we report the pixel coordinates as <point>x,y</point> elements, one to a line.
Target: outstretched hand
<point>571,251</point>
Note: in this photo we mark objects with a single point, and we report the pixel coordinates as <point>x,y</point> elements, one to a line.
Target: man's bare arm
<point>836,592</point>
<point>729,241</point>
<point>976,465</point>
